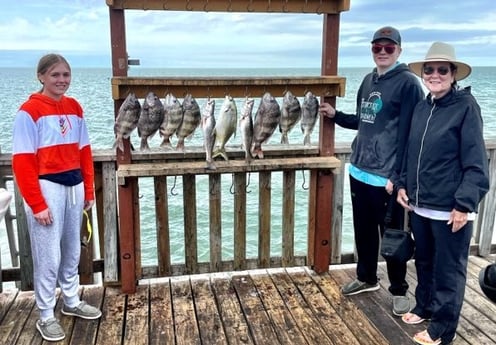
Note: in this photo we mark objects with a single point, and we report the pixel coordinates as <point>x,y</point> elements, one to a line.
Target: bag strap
<point>389,214</point>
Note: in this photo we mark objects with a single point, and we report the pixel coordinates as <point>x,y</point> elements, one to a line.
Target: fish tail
<point>166,142</point>
<point>306,140</point>
<point>144,145</point>
<point>211,165</point>
<point>220,152</point>
<point>180,144</point>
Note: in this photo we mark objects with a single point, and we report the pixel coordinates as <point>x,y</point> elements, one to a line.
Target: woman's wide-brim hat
<point>442,52</point>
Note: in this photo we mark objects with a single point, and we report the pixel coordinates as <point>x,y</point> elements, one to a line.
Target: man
<point>384,106</point>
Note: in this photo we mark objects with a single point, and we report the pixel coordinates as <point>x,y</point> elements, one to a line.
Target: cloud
<point>81,29</point>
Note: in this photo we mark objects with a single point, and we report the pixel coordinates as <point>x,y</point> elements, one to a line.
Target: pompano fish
<point>191,120</point>
<point>290,115</point>
<point>309,114</point>
<point>266,120</point>
<point>127,120</point>
<point>225,126</point>
<point>173,116</point>
<point>246,127</point>
<point>152,116</point>
<point>208,129</point>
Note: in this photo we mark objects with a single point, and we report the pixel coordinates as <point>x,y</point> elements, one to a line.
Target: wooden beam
<point>324,86</point>
<point>267,6</point>
<point>232,166</point>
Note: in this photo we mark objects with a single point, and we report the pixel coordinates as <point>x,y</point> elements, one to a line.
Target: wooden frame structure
<point>328,86</point>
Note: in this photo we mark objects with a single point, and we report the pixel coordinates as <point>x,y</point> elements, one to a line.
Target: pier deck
<point>265,306</point>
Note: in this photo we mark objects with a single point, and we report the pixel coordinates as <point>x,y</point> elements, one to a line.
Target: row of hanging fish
<point>173,118</point>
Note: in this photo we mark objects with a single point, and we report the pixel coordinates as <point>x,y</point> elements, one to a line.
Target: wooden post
<point>127,191</point>
<point>322,180</point>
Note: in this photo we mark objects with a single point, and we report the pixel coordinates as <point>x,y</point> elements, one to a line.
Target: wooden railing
<point>190,166</point>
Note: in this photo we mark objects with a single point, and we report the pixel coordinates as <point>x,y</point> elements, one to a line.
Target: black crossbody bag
<point>396,244</point>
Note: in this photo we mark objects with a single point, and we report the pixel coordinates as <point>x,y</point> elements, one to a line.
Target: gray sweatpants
<point>56,248</point>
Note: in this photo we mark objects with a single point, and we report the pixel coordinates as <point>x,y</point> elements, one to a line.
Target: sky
<point>80,30</point>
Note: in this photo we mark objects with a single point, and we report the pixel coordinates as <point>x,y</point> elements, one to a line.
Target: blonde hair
<point>47,61</point>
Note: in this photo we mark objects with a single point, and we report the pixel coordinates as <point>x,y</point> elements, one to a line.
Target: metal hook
<point>285,7</point>
<point>188,5</point>
<point>231,189</point>
<point>144,6</point>
<point>229,8</point>
<point>173,188</point>
<point>248,183</point>
<point>164,6</point>
<point>268,7</point>
<point>248,7</point>
<point>304,9</point>
<point>303,186</point>
<point>319,9</point>
<point>205,6</point>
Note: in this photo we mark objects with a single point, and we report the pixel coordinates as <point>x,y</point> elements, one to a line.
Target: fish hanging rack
<point>282,6</point>
<point>234,86</point>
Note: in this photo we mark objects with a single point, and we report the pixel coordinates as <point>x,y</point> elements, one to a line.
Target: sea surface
<point>93,90</point>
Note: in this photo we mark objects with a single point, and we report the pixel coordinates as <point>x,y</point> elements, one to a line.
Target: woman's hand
<point>402,199</point>
<point>458,219</point>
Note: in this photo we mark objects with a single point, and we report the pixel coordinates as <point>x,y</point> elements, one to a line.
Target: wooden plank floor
<point>275,306</point>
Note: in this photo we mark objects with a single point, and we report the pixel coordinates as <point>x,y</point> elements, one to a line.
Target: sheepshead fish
<point>309,114</point>
<point>208,129</point>
<point>173,116</point>
<point>225,126</point>
<point>191,120</point>
<point>246,127</point>
<point>266,120</point>
<point>152,116</point>
<point>290,115</point>
<point>127,120</point>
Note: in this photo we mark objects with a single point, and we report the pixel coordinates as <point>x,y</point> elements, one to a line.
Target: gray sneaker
<point>50,329</point>
<point>357,286</point>
<point>401,305</point>
<point>83,310</point>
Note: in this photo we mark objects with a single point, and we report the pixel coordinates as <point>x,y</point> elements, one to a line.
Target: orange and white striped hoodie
<point>50,137</point>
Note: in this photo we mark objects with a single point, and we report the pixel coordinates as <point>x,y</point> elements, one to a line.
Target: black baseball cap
<point>387,33</point>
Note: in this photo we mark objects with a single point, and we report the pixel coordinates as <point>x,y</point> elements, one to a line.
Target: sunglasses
<point>441,70</point>
<point>388,48</point>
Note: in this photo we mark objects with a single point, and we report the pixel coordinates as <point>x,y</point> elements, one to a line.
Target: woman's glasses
<point>441,70</point>
<point>388,48</point>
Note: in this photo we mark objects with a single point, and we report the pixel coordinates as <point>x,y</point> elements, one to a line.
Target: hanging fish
<point>309,114</point>
<point>225,126</point>
<point>152,116</point>
<point>290,115</point>
<point>173,116</point>
<point>126,120</point>
<point>191,120</point>
<point>266,120</point>
<point>246,127</point>
<point>208,129</point>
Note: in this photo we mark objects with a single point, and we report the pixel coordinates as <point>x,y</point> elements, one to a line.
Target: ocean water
<point>92,88</point>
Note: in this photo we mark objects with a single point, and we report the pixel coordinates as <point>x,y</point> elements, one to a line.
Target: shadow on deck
<point>274,306</point>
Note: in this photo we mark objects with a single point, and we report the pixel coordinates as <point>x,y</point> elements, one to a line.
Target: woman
<point>443,179</point>
<point>53,168</point>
